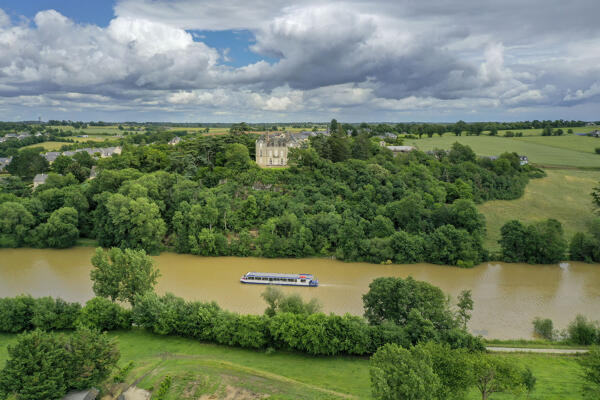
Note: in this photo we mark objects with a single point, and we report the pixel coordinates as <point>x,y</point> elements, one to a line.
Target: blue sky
<point>306,60</point>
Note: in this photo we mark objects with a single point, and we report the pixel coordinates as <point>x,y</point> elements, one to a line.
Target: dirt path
<point>532,350</point>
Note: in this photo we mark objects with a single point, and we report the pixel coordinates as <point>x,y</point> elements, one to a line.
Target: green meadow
<point>218,372</point>
<point>563,195</point>
<point>569,151</point>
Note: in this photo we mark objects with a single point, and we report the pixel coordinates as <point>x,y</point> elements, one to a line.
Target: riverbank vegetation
<point>207,197</point>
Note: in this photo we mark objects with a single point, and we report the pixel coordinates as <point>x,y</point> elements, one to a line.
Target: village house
<point>4,161</point>
<point>398,149</point>
<point>39,179</point>
<point>174,141</point>
<point>90,394</point>
<point>51,156</point>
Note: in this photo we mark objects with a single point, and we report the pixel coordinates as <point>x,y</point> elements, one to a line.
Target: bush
<point>103,314</point>
<point>597,150</point>
<point>543,328</point>
<point>21,313</point>
<point>583,332</point>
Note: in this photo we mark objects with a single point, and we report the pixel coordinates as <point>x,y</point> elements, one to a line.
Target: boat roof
<point>277,275</point>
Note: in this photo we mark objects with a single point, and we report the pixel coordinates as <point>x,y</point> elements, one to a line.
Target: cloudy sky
<point>274,60</point>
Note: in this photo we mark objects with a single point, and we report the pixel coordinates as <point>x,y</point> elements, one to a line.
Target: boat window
<point>302,280</point>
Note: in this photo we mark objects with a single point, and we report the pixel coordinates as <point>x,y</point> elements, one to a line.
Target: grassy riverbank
<point>204,369</point>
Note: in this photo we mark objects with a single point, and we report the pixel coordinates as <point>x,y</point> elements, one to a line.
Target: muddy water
<point>507,296</point>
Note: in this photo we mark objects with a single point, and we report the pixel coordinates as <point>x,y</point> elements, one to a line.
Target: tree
<point>44,366</point>
<point>61,229</point>
<point>465,306</point>
<point>495,375</point>
<point>278,302</point>
<point>543,327</point>
<point>237,157</point>
<point>596,196</point>
<point>591,372</point>
<point>582,331</point>
<point>129,223</point>
<point>398,373</point>
<point>123,274</point>
<point>15,223</point>
<point>27,163</point>
<point>392,299</point>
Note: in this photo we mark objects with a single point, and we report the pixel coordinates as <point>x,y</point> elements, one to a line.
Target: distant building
<point>272,150</point>
<point>398,149</point>
<point>523,160</point>
<point>51,156</point>
<point>39,179</point>
<point>595,133</point>
<point>4,161</point>
<point>175,141</point>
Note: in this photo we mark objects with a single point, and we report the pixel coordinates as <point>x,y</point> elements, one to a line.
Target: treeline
<point>422,313</point>
<point>207,197</point>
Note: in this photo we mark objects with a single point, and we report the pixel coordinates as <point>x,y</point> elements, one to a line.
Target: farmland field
<point>563,195</point>
<point>565,151</point>
<point>48,146</point>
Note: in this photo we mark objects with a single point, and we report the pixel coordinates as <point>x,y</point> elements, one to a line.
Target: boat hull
<point>279,283</point>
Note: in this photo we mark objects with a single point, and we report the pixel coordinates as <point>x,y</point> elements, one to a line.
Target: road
<point>532,350</point>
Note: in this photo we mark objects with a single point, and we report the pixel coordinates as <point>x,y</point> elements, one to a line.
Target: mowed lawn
<point>567,151</point>
<point>204,369</point>
<point>564,195</point>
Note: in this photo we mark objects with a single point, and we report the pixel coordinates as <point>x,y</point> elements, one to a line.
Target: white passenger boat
<point>272,278</point>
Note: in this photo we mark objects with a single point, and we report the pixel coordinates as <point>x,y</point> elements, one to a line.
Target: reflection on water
<point>507,296</point>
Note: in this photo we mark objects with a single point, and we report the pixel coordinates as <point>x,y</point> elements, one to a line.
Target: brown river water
<point>507,296</point>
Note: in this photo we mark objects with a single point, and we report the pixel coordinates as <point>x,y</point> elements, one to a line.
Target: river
<point>507,296</point>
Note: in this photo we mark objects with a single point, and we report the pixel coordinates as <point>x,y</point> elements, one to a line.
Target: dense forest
<point>341,196</point>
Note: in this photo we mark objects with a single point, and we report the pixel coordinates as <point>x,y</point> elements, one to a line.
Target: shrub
<point>581,331</point>
<point>597,150</point>
<point>543,328</point>
<point>103,314</point>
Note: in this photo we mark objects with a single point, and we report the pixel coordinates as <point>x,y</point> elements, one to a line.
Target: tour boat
<point>272,278</point>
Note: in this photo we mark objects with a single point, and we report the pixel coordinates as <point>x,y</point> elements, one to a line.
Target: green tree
<point>35,368</point>
<point>495,375</point>
<point>543,327</point>
<point>61,229</point>
<point>392,299</point>
<point>44,366</point>
<point>15,223</point>
<point>398,373</point>
<point>129,223</point>
<point>237,157</point>
<point>102,314</point>
<point>27,163</point>
<point>123,274</point>
<point>465,307</point>
<point>591,372</point>
<point>279,302</point>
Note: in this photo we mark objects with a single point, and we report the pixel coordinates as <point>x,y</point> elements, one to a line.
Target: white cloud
<point>351,57</point>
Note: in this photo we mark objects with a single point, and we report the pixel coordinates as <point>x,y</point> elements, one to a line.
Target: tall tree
<point>465,306</point>
<point>123,274</point>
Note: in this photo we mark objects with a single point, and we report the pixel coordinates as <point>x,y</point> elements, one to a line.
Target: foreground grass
<point>567,151</point>
<point>204,369</point>
<point>563,195</point>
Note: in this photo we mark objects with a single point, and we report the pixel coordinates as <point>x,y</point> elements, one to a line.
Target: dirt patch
<point>135,393</point>
<point>234,393</point>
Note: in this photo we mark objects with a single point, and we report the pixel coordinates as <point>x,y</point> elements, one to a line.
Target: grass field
<point>49,146</point>
<point>564,195</point>
<point>566,151</point>
<point>203,369</point>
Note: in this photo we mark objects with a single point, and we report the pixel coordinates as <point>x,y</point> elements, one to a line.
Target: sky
<point>306,60</point>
